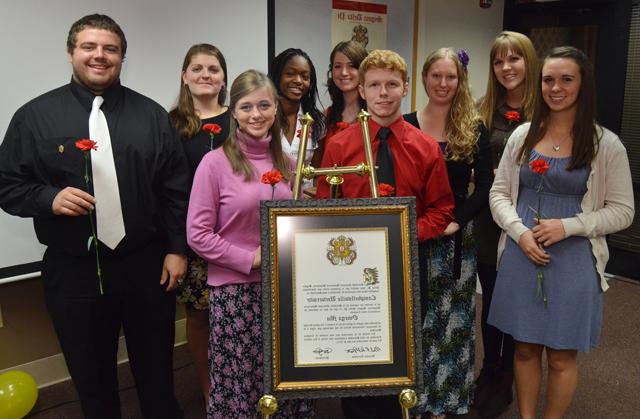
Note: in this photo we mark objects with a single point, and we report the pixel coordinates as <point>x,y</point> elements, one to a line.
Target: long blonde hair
<point>246,83</point>
<point>495,95</point>
<point>461,127</point>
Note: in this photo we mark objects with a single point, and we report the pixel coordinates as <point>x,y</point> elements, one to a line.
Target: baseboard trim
<point>52,370</point>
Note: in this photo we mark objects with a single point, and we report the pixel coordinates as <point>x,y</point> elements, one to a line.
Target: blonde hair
<point>383,58</point>
<point>495,95</point>
<point>461,127</point>
<point>247,83</point>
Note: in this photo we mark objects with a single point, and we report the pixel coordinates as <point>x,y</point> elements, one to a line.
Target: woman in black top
<point>200,104</point>
<point>507,103</point>
<point>448,330</point>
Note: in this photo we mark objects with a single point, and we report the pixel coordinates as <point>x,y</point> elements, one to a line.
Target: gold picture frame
<point>341,297</point>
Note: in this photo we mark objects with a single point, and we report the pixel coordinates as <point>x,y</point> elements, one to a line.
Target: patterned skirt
<point>447,333</point>
<point>193,291</point>
<point>235,356</point>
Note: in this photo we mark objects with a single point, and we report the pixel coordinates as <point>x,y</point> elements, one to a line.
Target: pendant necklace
<point>556,146</point>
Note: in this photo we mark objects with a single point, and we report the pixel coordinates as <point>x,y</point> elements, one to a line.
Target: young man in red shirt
<point>406,158</point>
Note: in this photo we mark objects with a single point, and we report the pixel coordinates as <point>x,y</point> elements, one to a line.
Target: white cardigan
<point>607,206</point>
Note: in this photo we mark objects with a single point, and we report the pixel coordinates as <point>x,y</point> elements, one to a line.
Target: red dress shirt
<point>419,170</point>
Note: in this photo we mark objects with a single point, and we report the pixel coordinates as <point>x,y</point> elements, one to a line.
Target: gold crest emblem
<point>60,149</point>
<point>360,35</point>
<point>341,250</point>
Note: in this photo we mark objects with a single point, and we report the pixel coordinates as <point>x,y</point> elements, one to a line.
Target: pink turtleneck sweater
<point>223,222</point>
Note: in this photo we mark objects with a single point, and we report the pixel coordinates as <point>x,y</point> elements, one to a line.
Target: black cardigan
<point>467,207</point>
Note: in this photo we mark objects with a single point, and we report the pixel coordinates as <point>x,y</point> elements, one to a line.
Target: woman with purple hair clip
<point>448,334</point>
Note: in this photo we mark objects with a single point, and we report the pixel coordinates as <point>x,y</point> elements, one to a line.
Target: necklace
<point>556,145</point>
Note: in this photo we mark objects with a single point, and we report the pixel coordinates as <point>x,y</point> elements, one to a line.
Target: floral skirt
<point>235,356</point>
<point>193,291</point>
<point>448,330</point>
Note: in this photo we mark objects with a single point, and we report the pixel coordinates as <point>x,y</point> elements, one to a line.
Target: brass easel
<point>268,405</point>
<point>334,174</point>
<point>407,397</point>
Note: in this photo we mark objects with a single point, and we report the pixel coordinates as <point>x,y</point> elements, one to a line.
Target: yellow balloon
<point>18,394</point>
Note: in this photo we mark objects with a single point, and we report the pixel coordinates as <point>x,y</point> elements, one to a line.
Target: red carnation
<point>86,144</point>
<point>512,116</point>
<point>539,166</point>
<point>299,132</point>
<point>340,125</point>
<point>384,189</point>
<point>271,177</point>
<point>212,128</point>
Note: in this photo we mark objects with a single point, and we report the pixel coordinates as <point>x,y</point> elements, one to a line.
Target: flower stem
<point>541,291</point>
<point>273,191</point>
<point>93,228</point>
<point>95,244</point>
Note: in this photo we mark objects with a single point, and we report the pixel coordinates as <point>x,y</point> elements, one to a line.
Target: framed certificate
<point>341,311</point>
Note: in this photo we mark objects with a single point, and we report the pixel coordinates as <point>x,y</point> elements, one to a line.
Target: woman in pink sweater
<point>223,227</point>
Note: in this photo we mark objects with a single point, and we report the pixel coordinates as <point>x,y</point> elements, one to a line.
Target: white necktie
<point>105,181</point>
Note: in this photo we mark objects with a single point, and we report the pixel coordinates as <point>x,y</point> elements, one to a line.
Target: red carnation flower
<point>384,189</point>
<point>299,133</point>
<point>539,166</point>
<point>271,177</point>
<point>86,144</point>
<point>212,128</point>
<point>512,116</point>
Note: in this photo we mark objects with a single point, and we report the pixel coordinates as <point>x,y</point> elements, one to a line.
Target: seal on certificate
<point>341,250</point>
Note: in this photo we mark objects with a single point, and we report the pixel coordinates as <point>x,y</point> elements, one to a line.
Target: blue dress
<point>573,315</point>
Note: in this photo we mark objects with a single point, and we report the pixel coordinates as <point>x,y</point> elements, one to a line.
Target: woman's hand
<point>257,258</point>
<point>532,249</point>
<point>452,228</point>
<point>548,232</point>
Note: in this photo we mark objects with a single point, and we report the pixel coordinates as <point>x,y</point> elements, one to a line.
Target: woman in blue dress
<point>552,251</point>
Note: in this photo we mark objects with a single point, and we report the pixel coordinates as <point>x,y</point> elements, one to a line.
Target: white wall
<point>459,24</point>
<point>311,32</point>
<point>33,37</point>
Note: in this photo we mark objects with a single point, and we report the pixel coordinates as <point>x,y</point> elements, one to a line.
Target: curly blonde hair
<point>383,58</point>
<point>461,127</point>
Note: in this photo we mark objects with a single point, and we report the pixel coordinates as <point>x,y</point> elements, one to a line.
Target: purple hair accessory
<point>464,58</point>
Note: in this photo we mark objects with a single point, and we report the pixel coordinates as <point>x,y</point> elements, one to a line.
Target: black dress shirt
<point>38,158</point>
